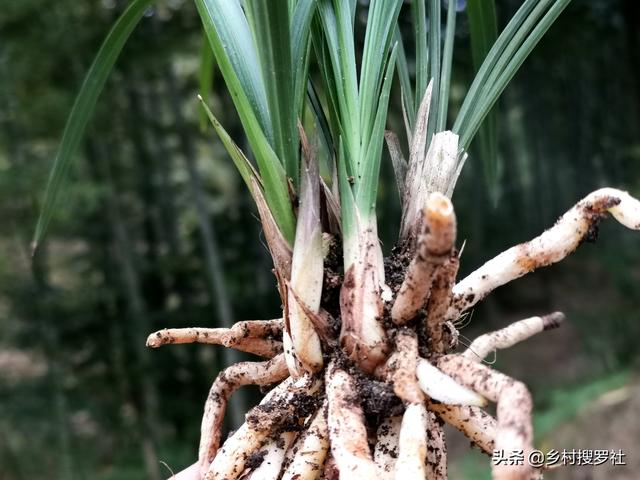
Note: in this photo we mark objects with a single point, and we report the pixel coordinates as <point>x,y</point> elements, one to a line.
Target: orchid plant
<point>361,352</point>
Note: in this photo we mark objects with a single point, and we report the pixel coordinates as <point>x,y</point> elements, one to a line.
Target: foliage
<point>568,124</point>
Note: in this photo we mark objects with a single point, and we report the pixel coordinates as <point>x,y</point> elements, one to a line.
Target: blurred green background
<point>156,230</point>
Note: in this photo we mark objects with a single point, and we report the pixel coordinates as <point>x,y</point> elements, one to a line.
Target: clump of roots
<point>375,409</point>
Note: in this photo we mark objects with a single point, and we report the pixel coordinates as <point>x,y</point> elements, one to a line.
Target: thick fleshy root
<point>514,406</point>
<point>310,452</point>
<point>347,429</point>
<point>475,423</point>
<point>386,451</point>
<point>260,337</point>
<point>413,442</point>
<point>434,248</point>
<point>227,382</point>
<point>509,336</point>
<point>285,404</point>
<point>403,365</point>
<point>577,225</point>
<point>396,374</point>
<point>436,451</point>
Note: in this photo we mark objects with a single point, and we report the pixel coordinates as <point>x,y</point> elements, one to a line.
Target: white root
<point>439,302</point>
<point>276,408</point>
<point>274,452</point>
<point>475,423</point>
<point>386,450</point>
<point>347,431</point>
<point>509,336</point>
<point>412,443</point>
<point>441,387</point>
<point>514,406</point>
<point>242,439</point>
<point>434,248</point>
<point>310,450</point>
<point>553,245</point>
<point>225,384</point>
<point>259,337</point>
<point>437,450</point>
<point>330,471</point>
<point>403,366</point>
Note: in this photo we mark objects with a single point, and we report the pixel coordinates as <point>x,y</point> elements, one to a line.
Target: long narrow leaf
<point>321,118</point>
<point>273,40</point>
<point>445,76</point>
<point>300,31</point>
<point>205,77</point>
<point>246,170</point>
<point>507,37</point>
<point>381,24</point>
<point>230,37</point>
<point>483,31</point>
<point>419,16</point>
<point>434,63</point>
<point>338,30</point>
<point>504,58</point>
<point>497,87</point>
<point>348,209</point>
<point>84,105</point>
<point>368,184</point>
<point>242,78</point>
<point>405,80</point>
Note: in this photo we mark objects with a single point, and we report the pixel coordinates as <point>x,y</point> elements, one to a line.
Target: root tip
<point>553,320</point>
<point>153,340</point>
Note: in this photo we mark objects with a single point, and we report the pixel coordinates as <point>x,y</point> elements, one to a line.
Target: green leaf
<point>300,46</point>
<point>405,79</point>
<point>381,24</point>
<point>500,77</point>
<point>434,63</point>
<point>445,77</point>
<point>321,118</point>
<point>348,209</point>
<point>83,108</point>
<point>506,44</point>
<point>270,26</point>
<point>419,15</point>
<point>320,48</point>
<point>367,186</point>
<point>231,41</point>
<point>338,32</point>
<point>206,77</point>
<point>247,172</point>
<point>483,31</point>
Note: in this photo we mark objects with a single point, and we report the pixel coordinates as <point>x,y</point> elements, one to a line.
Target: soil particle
<point>395,267</point>
<point>255,459</point>
<point>377,398</point>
